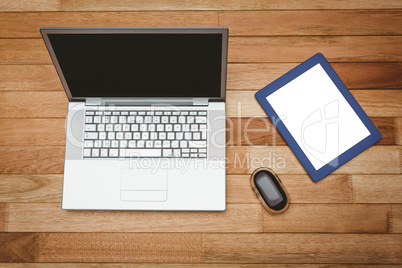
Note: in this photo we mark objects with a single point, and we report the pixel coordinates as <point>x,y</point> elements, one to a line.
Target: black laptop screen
<point>140,65</point>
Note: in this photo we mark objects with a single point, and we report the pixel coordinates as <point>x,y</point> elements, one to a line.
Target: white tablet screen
<point>317,116</point>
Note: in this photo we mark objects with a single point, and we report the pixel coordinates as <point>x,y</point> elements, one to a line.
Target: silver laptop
<point>146,117</point>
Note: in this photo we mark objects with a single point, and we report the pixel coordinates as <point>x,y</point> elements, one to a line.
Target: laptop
<point>145,125</point>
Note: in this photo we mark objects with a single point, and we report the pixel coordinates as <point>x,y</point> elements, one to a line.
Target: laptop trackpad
<point>144,185</point>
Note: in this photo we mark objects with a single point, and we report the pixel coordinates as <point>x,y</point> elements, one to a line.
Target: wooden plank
<point>334,189</point>
<point>193,265</point>
<point>380,103</point>
<point>53,104</point>
<point>31,159</point>
<point>378,22</point>
<point>260,131</point>
<point>329,218</point>
<point>252,49</point>
<point>302,248</point>
<point>48,131</point>
<point>321,22</point>
<point>29,5</point>
<point>240,76</point>
<point>29,77</point>
<point>49,217</point>
<point>3,216</point>
<point>399,130</point>
<point>120,5</point>
<point>48,188</point>
<point>377,188</point>
<point>18,247</point>
<point>240,160</point>
<point>375,160</point>
<point>208,248</point>
<point>254,76</point>
<point>101,247</point>
<point>25,104</point>
<point>396,220</point>
<point>240,131</point>
<point>31,188</point>
<point>298,49</point>
<point>26,25</point>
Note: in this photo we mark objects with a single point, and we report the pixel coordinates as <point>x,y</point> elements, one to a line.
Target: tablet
<point>318,117</point>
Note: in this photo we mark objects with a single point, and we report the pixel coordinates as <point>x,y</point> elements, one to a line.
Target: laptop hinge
<point>93,102</point>
<point>200,102</point>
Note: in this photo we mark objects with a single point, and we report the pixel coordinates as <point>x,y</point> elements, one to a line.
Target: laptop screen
<point>140,65</point>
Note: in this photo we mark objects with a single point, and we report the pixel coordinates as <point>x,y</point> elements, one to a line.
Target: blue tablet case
<point>316,175</point>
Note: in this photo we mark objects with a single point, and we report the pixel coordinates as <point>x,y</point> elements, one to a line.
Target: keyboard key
<point>101,127</point>
<point>184,113</point>
<point>114,119</point>
<point>158,144</point>
<point>104,152</point>
<point>197,144</point>
<point>194,127</point>
<point>90,127</point>
<point>196,136</point>
<point>123,144</point>
<point>177,127</point>
<point>185,150</point>
<point>151,127</point>
<point>190,119</point>
<point>119,135</point>
<point>202,155</point>
<point>182,119</point>
<point>115,144</point>
<point>165,119</point>
<point>167,113</point>
<point>148,119</point>
<point>117,127</point>
<point>113,152</point>
<point>156,119</point>
<point>128,136</point>
<point>202,150</point>
<point>160,127</point>
<point>153,135</point>
<point>126,127</point>
<point>107,113</point>
<point>98,144</point>
<point>187,136</point>
<point>185,127</point>
<point>143,127</point>
<point>175,144</point>
<point>173,119</point>
<point>193,150</point>
<point>91,135</point>
<point>202,113</point>
<point>136,135</point>
<point>88,119</point>
<point>95,152</point>
<point>132,144</point>
<point>179,135</point>
<point>116,113</point>
<point>185,155</point>
<point>124,113</point>
<point>176,153</point>
<point>193,113</point>
<point>200,119</point>
<point>169,127</point>
<point>139,119</point>
<point>150,113</point>
<point>145,136</point>
<point>97,119</point>
<point>167,152</point>
<point>193,155</point>
<point>109,127</point>
<point>162,135</point>
<point>102,135</point>
<point>141,113</point>
<point>140,152</point>
<point>133,113</point>
<point>140,144</point>
<point>134,127</point>
<point>183,144</point>
<point>149,144</point>
<point>89,113</point>
<point>158,113</point>
<point>87,152</point>
<point>106,144</point>
<point>105,119</point>
<point>122,119</point>
<point>111,135</point>
<point>176,113</point>
<point>166,144</point>
<point>130,119</point>
<point>170,135</point>
<point>88,144</point>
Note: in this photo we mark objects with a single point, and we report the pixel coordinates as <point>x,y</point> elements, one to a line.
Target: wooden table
<point>354,216</point>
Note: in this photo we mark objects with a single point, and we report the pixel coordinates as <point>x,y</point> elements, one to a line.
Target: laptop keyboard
<point>113,134</point>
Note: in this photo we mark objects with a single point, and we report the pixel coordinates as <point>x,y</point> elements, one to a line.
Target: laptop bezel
<point>143,30</point>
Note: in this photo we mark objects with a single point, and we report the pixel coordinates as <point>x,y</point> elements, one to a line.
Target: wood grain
<point>299,49</point>
<point>321,22</point>
<point>189,247</point>
<point>193,265</point>
<point>252,49</point>
<point>26,25</point>
<point>240,160</point>
<point>25,188</point>
<point>37,104</point>
<point>375,160</point>
<point>30,5</point>
<point>31,159</point>
<point>380,103</point>
<point>302,248</point>
<point>49,217</point>
<point>399,130</point>
<point>329,218</point>
<point>396,225</point>
<point>377,188</point>
<point>3,217</point>
<point>31,188</point>
<point>47,131</point>
<point>244,76</point>
<point>29,77</point>
<point>334,189</point>
<point>97,5</point>
<point>254,76</point>
<point>384,22</point>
